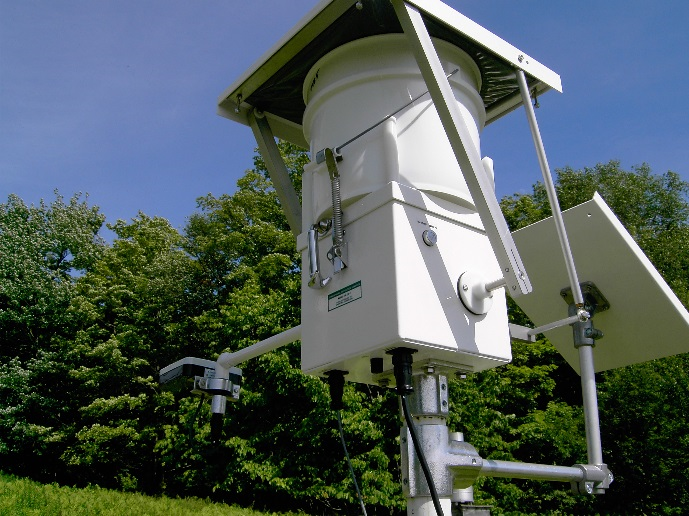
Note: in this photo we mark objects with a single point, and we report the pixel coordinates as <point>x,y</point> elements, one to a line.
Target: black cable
<point>194,419</point>
<point>349,462</point>
<point>420,454</point>
<point>402,368</point>
<point>336,384</point>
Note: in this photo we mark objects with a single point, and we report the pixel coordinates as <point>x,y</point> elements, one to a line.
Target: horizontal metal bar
<point>553,325</point>
<point>228,360</point>
<point>506,469</point>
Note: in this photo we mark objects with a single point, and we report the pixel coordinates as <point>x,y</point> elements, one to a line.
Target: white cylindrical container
<point>357,85</point>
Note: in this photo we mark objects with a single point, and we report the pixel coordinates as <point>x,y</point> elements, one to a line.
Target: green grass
<point>19,496</point>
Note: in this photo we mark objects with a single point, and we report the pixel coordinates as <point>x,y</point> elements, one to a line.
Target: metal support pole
<point>465,152</point>
<point>550,189</point>
<point>590,399</point>
<point>277,170</point>
<point>584,340</point>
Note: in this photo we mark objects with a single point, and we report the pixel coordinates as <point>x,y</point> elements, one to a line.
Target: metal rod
<point>553,325</point>
<point>494,285</point>
<point>550,189</point>
<point>594,447</point>
<point>506,469</point>
<point>228,360</point>
<point>339,148</point>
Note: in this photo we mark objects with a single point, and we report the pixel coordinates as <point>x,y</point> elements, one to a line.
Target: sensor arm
<point>466,154</point>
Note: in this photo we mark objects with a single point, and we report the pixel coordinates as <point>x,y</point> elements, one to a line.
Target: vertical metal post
<point>590,400</point>
<point>583,333</point>
<point>550,189</point>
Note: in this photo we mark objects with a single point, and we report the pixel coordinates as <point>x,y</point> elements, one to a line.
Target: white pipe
<point>228,360</point>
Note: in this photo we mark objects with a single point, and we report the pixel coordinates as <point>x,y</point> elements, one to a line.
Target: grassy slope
<point>23,497</point>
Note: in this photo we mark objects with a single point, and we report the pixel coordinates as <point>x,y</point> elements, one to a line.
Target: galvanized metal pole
<point>594,447</point>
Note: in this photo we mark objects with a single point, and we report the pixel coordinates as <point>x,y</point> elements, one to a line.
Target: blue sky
<point>117,98</point>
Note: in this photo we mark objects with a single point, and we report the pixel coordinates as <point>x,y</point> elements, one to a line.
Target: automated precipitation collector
<point>409,225</point>
<point>405,251</point>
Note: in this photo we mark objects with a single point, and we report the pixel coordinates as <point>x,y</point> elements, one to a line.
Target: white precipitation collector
<point>404,247</point>
<point>410,224</point>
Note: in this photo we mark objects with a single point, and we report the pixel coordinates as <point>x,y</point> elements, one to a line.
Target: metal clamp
<point>229,387</point>
<point>597,478</point>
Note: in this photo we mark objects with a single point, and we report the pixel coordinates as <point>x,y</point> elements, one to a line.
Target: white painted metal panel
<point>645,321</point>
<point>400,292</point>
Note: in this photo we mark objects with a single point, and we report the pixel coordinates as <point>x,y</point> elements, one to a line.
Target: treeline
<point>85,326</point>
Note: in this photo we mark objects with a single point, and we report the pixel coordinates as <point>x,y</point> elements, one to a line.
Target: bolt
<point>465,287</point>
<point>430,238</point>
<point>520,58</point>
<point>443,386</point>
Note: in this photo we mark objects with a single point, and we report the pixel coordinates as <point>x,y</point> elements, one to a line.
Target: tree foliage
<point>86,325</point>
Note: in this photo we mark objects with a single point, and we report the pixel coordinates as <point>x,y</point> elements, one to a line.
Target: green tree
<point>42,250</point>
<point>132,318</point>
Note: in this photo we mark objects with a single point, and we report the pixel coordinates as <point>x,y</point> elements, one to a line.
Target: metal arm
<point>277,170</point>
<point>467,155</point>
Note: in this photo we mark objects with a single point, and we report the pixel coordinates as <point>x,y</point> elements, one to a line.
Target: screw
<point>465,287</point>
<point>430,238</point>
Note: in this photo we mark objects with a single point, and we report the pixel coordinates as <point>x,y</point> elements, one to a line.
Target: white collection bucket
<point>356,86</point>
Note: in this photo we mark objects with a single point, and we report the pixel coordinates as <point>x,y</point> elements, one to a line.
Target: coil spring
<point>338,234</point>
